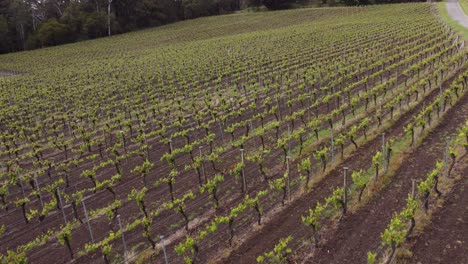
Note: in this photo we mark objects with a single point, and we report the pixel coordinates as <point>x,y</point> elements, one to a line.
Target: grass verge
<point>464,6</point>
<point>442,10</point>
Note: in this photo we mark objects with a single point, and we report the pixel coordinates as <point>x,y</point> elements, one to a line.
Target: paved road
<point>455,11</point>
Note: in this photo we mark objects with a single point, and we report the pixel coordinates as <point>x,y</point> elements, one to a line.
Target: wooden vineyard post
<point>87,220</point>
<point>170,146</point>
<point>166,261</point>
<point>21,184</point>
<point>221,130</point>
<point>380,112</point>
<point>413,188</point>
<point>202,164</point>
<point>38,192</point>
<point>61,204</point>
<point>345,187</point>
<point>446,156</point>
<point>384,166</point>
<point>396,82</point>
<point>442,106</point>
<point>69,129</point>
<point>122,134</point>
<point>332,146</point>
<point>289,177</point>
<point>123,240</point>
<point>289,141</point>
<point>244,184</point>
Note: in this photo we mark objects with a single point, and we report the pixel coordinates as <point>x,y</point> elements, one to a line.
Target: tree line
<point>30,24</point>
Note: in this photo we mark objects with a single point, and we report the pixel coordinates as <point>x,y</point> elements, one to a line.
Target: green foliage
<point>305,165</point>
<point>52,33</point>
<point>144,168</point>
<point>237,210</point>
<point>426,185</point>
<point>277,4</point>
<point>377,159</point>
<point>371,257</point>
<point>322,153</point>
<point>279,254</point>
<point>355,2</point>
<point>14,257</point>
<point>65,234</point>
<point>22,202</point>
<point>237,171</point>
<point>410,209</point>
<point>111,210</point>
<point>314,216</point>
<point>211,184</point>
<point>395,233</point>
<point>359,178</point>
<point>336,198</point>
<point>340,140</point>
<point>137,195</point>
<point>107,249</point>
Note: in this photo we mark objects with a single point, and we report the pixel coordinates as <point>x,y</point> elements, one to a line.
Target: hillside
<point>227,134</point>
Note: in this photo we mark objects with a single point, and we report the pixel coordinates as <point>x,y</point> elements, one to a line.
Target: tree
<point>254,3</point>
<point>95,25</point>
<point>197,8</point>
<point>377,161</point>
<point>17,14</point>
<point>74,16</point>
<point>52,33</point>
<point>5,44</point>
<point>276,4</point>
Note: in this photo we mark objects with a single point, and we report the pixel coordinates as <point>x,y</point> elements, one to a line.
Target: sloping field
<point>227,134</point>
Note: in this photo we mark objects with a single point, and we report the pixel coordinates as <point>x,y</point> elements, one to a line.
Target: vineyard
<point>308,136</point>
